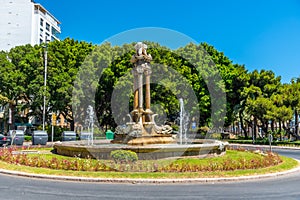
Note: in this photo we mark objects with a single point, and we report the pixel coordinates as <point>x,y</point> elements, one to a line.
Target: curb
<point>148,181</point>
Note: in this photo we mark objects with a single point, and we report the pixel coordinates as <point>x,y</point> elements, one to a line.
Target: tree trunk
<point>254,128</point>
<point>265,128</point>
<point>296,123</point>
<point>287,128</point>
<point>242,125</point>
<point>11,116</point>
<point>280,129</point>
<point>72,125</point>
<point>272,126</point>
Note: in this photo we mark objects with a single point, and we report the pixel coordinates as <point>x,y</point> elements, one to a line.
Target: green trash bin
<point>109,135</point>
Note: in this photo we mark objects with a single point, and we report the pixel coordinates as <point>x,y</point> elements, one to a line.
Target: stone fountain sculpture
<point>142,129</point>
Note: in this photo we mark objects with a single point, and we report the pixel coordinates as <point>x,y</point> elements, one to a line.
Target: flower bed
<point>233,160</point>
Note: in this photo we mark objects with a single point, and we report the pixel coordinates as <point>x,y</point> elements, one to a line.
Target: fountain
<point>183,123</point>
<point>90,124</point>
<point>141,134</point>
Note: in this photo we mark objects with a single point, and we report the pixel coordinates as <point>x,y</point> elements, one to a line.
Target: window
<point>55,32</point>
<point>47,26</point>
<point>41,41</point>
<point>42,22</point>
<point>41,32</point>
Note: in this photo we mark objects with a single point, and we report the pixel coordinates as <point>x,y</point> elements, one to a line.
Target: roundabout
<point>148,181</point>
<point>272,187</point>
<point>226,168</point>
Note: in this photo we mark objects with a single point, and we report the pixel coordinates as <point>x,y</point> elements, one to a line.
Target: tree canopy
<point>216,91</point>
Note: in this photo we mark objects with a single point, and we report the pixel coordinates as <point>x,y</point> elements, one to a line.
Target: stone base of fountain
<point>143,140</point>
<point>102,149</point>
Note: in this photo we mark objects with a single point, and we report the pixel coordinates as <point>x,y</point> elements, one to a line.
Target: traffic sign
<point>53,119</point>
<point>270,136</point>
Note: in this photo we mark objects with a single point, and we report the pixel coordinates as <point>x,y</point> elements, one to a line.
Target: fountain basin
<point>102,149</point>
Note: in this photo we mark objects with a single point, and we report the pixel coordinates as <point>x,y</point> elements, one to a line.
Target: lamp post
<point>45,81</point>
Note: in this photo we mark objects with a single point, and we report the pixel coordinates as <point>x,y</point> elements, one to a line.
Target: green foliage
<point>64,60</point>
<point>203,130</point>
<point>81,74</point>
<point>22,76</point>
<point>123,156</point>
<point>57,132</point>
<point>27,138</point>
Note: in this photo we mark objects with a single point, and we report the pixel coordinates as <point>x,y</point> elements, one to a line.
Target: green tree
<point>237,97</point>
<point>281,113</point>
<point>262,85</point>
<point>22,77</point>
<point>93,84</point>
<point>18,69</point>
<point>208,86</point>
<point>291,98</point>
<point>64,61</point>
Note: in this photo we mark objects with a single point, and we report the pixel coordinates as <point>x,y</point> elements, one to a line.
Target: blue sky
<point>261,34</point>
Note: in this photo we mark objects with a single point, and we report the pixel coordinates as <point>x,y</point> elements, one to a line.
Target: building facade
<point>26,22</point>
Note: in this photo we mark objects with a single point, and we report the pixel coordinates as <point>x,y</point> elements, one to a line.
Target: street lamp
<point>45,81</point>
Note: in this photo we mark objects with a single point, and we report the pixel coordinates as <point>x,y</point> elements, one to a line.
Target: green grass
<point>286,164</point>
<point>232,160</point>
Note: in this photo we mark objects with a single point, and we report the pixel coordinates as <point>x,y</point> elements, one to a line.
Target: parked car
<point>17,135</point>
<point>4,140</point>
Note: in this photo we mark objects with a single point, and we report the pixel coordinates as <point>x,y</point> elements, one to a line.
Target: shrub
<point>57,133</point>
<point>27,138</point>
<point>123,156</point>
<point>175,127</point>
<point>202,130</point>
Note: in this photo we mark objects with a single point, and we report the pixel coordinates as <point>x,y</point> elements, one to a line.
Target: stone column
<point>148,98</point>
<point>135,90</point>
<point>148,111</point>
<point>134,112</point>
<point>141,61</point>
<point>140,71</point>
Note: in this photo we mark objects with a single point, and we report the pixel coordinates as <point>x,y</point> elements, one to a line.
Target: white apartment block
<point>26,22</point>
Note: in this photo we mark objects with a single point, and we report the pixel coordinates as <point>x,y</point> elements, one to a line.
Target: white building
<point>25,22</point>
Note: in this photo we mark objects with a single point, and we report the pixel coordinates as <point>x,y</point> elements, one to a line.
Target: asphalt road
<point>285,187</point>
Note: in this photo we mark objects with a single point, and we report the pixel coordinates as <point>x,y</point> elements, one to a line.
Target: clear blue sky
<point>261,34</point>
